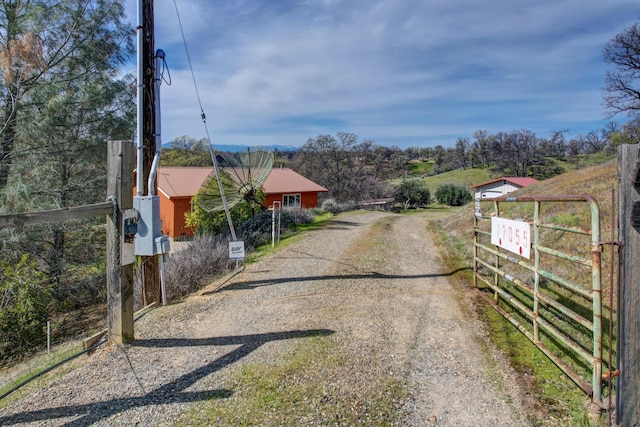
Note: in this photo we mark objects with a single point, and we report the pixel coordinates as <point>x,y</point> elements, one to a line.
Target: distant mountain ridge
<point>233,148</point>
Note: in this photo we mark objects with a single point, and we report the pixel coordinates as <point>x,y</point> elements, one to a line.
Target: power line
<point>204,121</point>
<point>193,76</point>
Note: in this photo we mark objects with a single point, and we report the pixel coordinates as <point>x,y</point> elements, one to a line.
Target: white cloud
<point>390,70</point>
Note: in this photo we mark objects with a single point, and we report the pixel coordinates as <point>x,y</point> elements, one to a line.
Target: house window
<point>291,200</point>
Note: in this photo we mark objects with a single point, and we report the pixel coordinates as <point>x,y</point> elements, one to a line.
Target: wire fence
<point>53,348</point>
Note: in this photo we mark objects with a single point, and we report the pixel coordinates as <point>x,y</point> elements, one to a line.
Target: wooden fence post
<point>628,327</point>
<point>120,164</point>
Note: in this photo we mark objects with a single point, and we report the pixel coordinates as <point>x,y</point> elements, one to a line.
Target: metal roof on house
<point>285,180</point>
<point>183,181</point>
<point>516,180</point>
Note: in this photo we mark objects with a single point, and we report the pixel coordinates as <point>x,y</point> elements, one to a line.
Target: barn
<point>500,187</point>
<point>178,185</point>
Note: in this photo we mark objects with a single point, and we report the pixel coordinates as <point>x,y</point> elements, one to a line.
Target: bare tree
<point>342,165</point>
<point>621,93</point>
<point>462,152</point>
<point>482,146</point>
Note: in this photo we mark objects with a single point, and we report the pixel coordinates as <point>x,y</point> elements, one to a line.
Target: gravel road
<point>373,280</point>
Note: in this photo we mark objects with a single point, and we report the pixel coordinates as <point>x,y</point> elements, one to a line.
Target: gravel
<point>373,280</point>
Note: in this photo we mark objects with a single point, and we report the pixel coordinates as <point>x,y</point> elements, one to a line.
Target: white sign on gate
<point>514,236</point>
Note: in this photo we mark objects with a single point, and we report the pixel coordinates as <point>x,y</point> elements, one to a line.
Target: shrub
<point>330,205</point>
<point>453,195</point>
<point>190,269</point>
<point>412,193</point>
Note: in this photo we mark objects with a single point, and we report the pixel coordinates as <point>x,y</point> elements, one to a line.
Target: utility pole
<point>150,265</point>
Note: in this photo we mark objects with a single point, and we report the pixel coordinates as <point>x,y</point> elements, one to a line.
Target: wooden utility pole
<point>628,333</point>
<point>150,265</point>
<point>120,163</point>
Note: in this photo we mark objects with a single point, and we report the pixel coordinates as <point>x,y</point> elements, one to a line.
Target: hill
<point>596,181</point>
<point>466,177</point>
<point>230,148</point>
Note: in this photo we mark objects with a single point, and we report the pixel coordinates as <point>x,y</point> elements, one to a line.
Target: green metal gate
<point>554,297</point>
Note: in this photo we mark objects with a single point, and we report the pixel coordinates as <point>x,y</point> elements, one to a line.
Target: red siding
<point>172,211</point>
<point>307,200</point>
<point>172,215</point>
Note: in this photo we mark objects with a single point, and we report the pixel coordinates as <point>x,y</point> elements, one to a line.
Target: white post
<point>161,268</point>
<point>273,227</point>
<point>279,227</point>
<point>48,336</point>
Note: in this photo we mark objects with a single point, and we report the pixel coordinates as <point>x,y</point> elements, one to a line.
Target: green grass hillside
<point>466,177</point>
<point>596,181</point>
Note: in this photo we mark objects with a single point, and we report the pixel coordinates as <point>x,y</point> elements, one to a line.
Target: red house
<point>176,188</point>
<point>291,189</point>
<point>178,185</point>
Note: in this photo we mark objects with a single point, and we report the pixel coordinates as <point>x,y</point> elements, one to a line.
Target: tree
<point>63,109</point>
<point>555,145</point>
<point>41,43</point>
<point>515,153</point>
<point>23,312</point>
<point>214,221</point>
<point>503,149</point>
<point>482,146</point>
<point>438,158</point>
<point>595,142</point>
<point>629,134</point>
<point>342,165</point>
<point>186,151</point>
<point>412,193</point>
<point>621,93</point>
<point>461,152</point>
<point>526,152</point>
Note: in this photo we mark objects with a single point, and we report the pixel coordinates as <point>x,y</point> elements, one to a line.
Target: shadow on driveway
<point>252,284</point>
<point>172,392</point>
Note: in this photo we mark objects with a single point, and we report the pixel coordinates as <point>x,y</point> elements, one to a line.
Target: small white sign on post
<point>236,251</point>
<point>514,236</point>
<point>478,211</point>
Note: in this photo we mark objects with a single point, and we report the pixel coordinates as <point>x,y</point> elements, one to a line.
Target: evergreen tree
<point>63,100</point>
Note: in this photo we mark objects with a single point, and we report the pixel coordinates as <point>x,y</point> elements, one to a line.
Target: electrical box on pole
<point>149,224</point>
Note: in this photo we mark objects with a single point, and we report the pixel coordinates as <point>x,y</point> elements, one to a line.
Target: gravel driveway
<point>373,281</point>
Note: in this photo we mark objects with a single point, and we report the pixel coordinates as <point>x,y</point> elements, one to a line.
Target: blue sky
<point>397,72</point>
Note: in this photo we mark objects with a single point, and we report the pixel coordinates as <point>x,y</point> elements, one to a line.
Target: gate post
<point>120,164</point>
<point>628,327</point>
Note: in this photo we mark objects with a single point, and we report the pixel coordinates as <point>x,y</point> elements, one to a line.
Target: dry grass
<point>598,182</point>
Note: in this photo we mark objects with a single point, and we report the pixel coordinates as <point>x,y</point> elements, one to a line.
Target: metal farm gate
<point>539,259</point>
